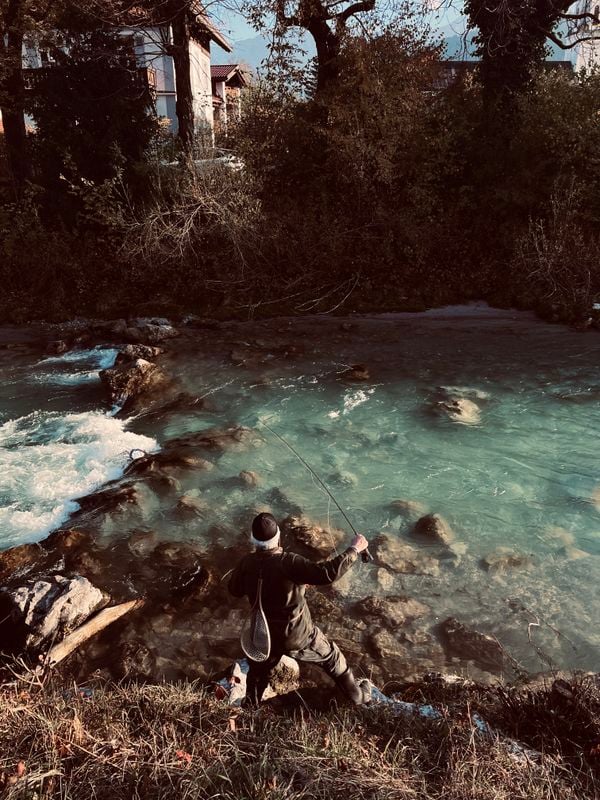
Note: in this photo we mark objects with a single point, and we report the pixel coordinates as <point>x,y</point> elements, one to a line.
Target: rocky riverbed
<point>462,445</point>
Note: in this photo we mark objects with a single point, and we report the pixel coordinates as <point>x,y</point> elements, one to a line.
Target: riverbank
<point>181,742</point>
<point>486,555</point>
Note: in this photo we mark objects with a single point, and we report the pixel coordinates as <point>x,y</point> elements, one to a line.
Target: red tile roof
<point>222,71</point>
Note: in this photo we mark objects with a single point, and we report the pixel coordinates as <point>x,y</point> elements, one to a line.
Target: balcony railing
<point>142,78</point>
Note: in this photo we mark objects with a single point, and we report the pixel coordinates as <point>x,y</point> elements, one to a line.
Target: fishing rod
<point>365,555</point>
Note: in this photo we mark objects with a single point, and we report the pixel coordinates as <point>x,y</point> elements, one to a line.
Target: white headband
<point>270,544</point>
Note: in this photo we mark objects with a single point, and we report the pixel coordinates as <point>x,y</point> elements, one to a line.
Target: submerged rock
<point>311,536</point>
<point>503,559</point>
<point>357,372</point>
<point>393,611</point>
<point>409,509</point>
<point>470,645</point>
<point>455,407</point>
<point>189,506</point>
<point>219,440</point>
<point>142,543</point>
<point>250,479</point>
<point>434,529</point>
<point>561,535</point>
<point>402,558</point>
<point>112,499</point>
<point>172,459</point>
<point>572,553</point>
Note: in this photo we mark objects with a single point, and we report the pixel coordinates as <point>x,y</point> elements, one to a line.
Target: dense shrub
<point>395,190</point>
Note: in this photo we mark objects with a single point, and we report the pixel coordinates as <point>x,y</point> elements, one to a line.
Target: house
<point>454,72</point>
<point>228,82</point>
<point>150,47</point>
<point>584,34</point>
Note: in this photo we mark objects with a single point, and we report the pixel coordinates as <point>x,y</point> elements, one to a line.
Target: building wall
<point>202,85</point>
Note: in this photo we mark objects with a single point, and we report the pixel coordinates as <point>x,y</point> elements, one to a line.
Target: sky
<point>443,16</point>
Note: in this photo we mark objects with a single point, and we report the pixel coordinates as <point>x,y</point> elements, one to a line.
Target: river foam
<point>48,459</point>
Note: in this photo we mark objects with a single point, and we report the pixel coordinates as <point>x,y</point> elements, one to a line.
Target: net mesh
<point>256,637</point>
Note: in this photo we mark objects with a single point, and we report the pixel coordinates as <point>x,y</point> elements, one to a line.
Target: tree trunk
<point>12,96</point>
<point>328,51</point>
<point>183,80</point>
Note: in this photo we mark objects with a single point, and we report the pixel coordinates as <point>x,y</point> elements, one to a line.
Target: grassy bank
<point>178,741</point>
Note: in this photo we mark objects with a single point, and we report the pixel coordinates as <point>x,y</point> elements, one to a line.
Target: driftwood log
<point>90,628</point>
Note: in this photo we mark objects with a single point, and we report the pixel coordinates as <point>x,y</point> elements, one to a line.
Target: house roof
<point>225,72</point>
<point>202,19</point>
<point>215,34</point>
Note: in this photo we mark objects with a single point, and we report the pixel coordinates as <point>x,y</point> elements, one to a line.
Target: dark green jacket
<point>285,576</point>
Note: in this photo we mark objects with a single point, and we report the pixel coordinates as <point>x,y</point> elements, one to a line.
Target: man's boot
<point>354,691</point>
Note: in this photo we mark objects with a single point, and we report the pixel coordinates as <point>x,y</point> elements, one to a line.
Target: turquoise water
<point>522,475</point>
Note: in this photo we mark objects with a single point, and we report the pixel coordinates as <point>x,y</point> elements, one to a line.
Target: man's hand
<point>359,543</point>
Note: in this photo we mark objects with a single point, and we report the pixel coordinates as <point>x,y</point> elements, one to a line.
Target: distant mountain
<point>254,50</point>
<point>458,47</point>
<point>250,51</point>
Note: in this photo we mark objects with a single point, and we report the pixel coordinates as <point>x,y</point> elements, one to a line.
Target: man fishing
<point>277,581</point>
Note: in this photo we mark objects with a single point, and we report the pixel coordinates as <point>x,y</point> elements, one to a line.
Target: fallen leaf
<point>21,769</point>
<point>183,756</point>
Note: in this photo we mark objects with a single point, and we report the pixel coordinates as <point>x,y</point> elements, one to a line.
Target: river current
<point>522,473</point>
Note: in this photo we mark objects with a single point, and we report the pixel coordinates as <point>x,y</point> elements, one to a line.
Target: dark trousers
<point>319,650</point>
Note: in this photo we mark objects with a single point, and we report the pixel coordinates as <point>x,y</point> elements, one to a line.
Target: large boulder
<point>128,385</point>
<point>317,540</point>
<point>51,608</point>
<point>401,558</point>
<point>131,352</point>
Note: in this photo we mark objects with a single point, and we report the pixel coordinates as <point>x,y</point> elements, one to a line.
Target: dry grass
<point>180,742</point>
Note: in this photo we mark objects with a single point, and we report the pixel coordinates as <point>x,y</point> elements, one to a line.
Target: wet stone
<point>502,559</point>
<point>400,557</point>
<point>142,543</point>
<point>311,536</point>
<point>411,510</point>
<point>132,352</point>
<point>250,479</point>
<point>393,612</point>
<point>19,560</point>
<point>189,506</point>
<point>448,403</point>
<point>131,384</point>
<point>356,373</point>
<point>468,644</point>
<point>434,529</point>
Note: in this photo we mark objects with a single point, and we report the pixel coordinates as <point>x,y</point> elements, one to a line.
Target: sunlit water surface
<point>523,477</point>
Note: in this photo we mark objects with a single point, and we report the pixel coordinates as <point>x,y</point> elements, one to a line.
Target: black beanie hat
<point>264,527</point>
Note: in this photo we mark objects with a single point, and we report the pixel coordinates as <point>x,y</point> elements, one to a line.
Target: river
<point>520,472</point>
